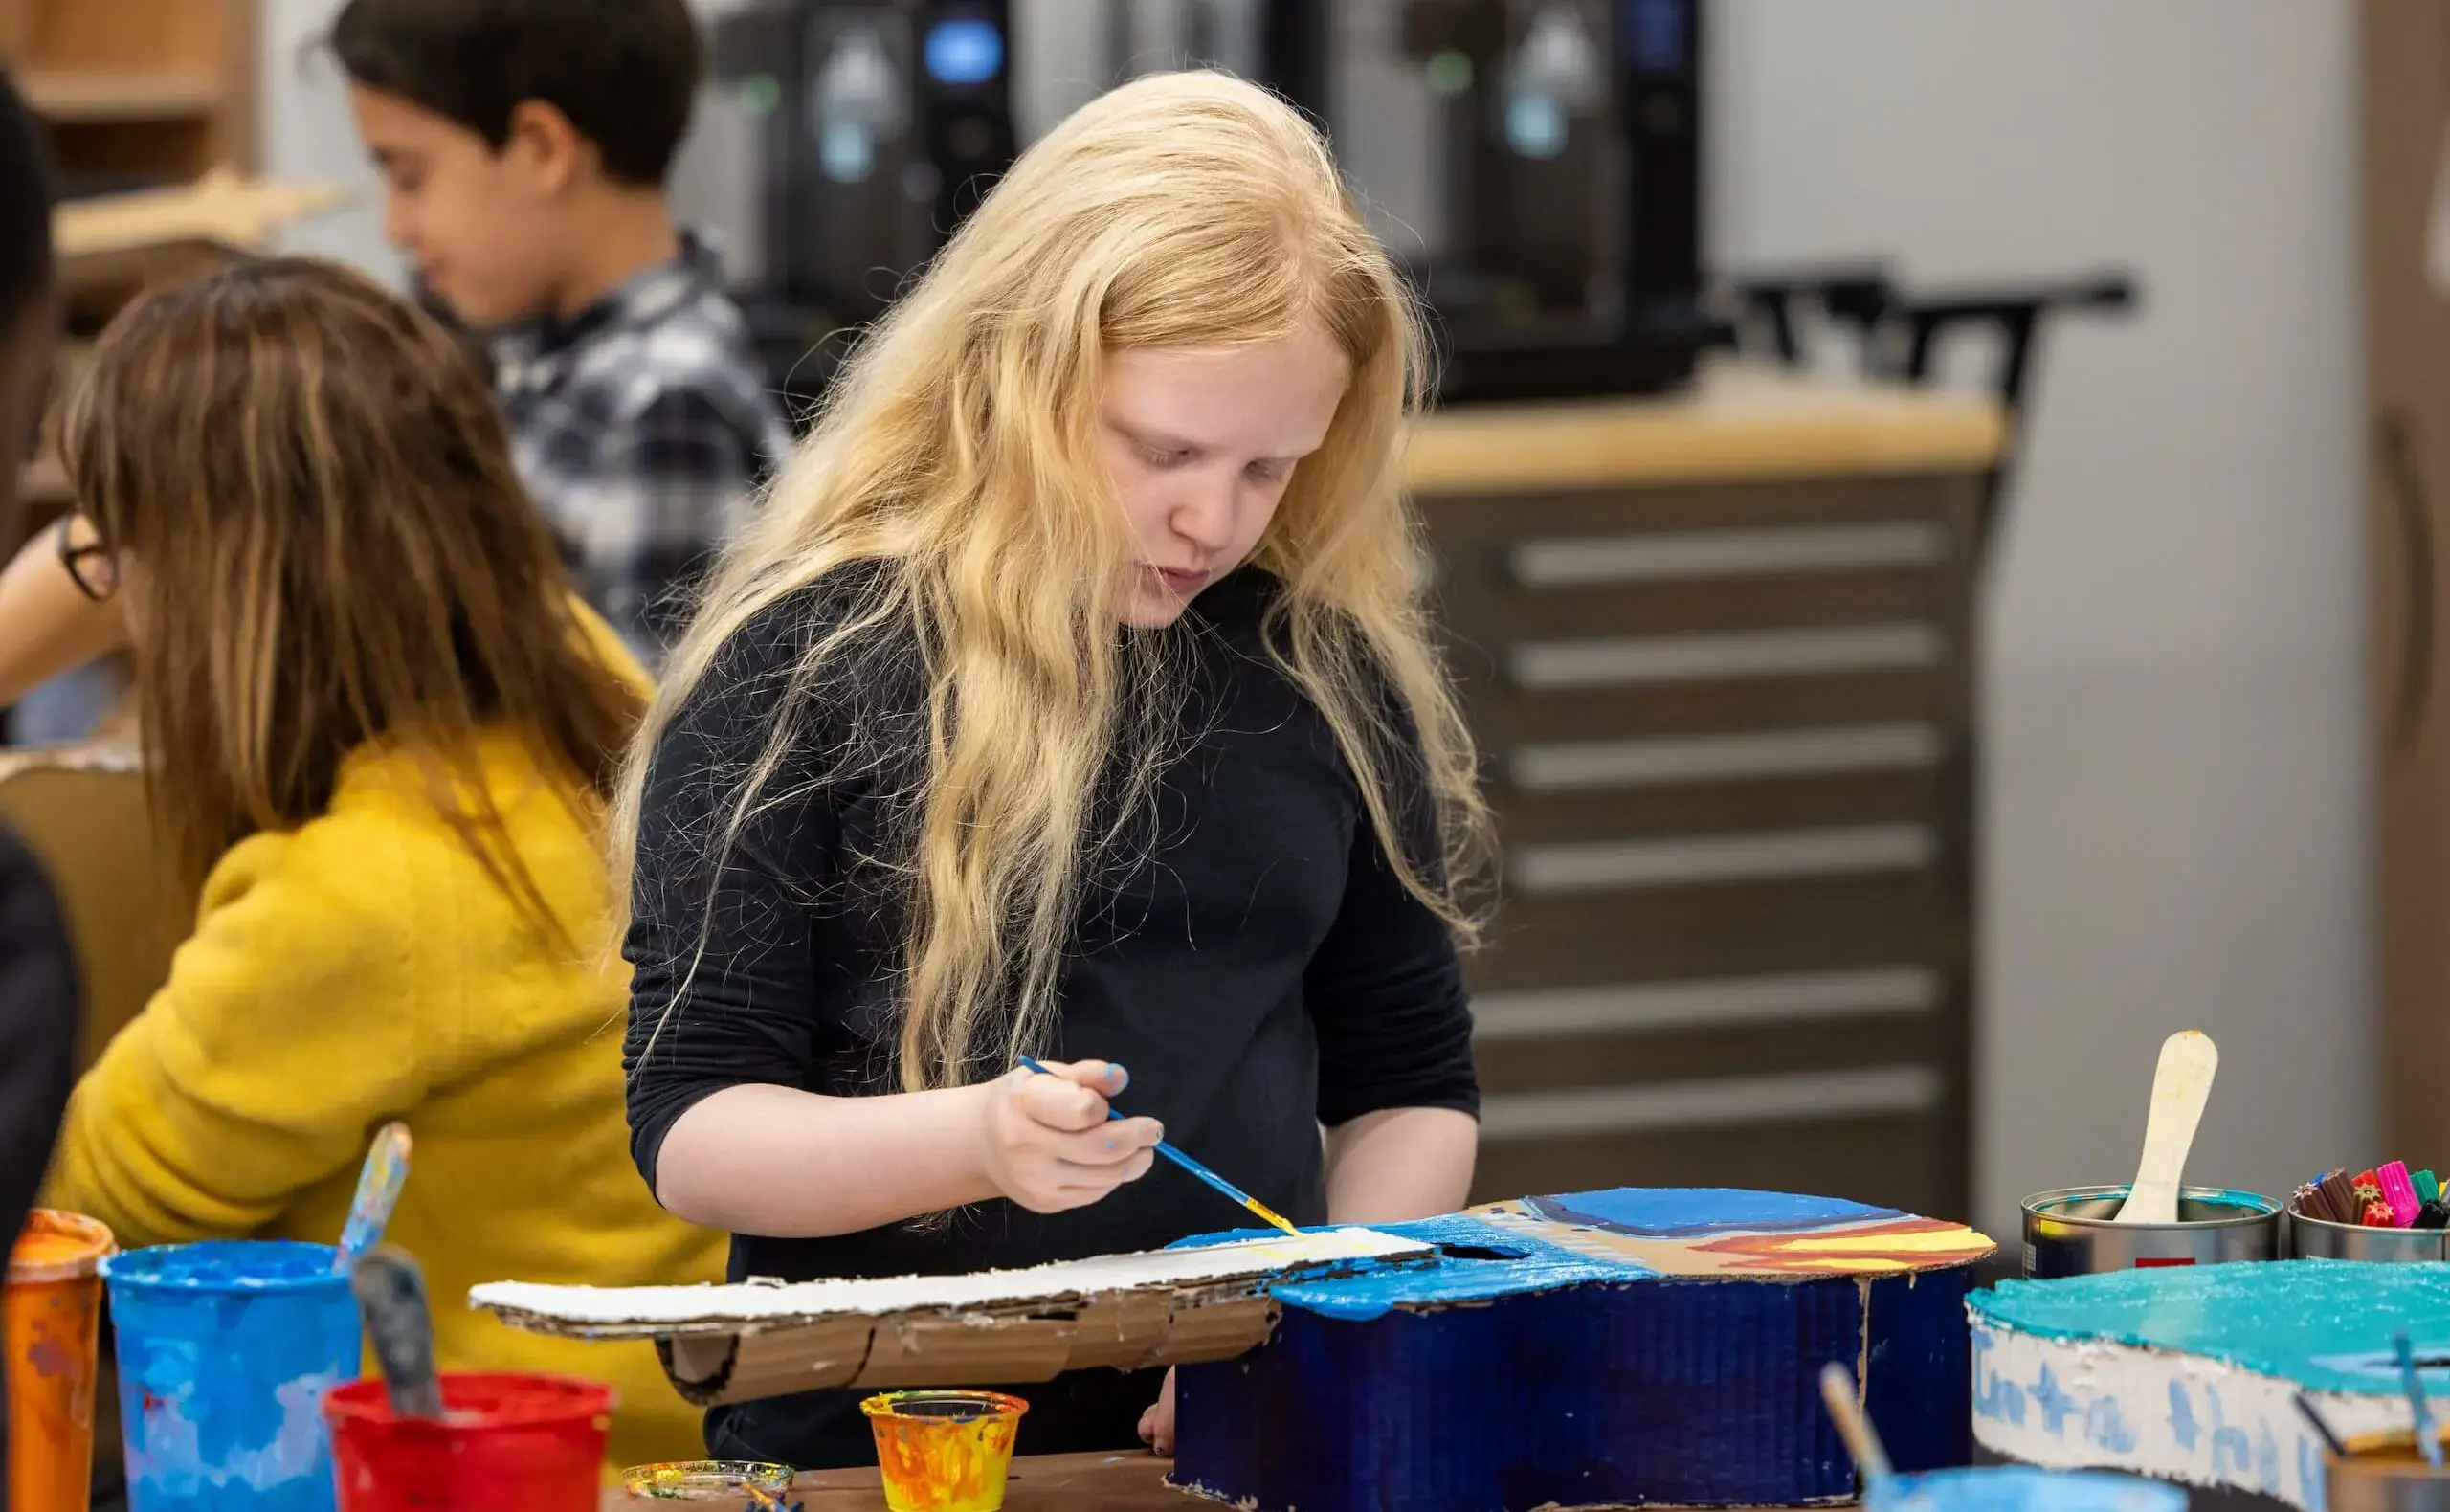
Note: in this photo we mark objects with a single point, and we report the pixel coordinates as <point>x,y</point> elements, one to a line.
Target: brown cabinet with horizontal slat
<point>1725,695</point>
<point>137,92</point>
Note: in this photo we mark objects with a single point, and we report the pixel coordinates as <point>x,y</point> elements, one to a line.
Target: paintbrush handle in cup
<point>2427,1442</point>
<point>2181,1085</point>
<point>1837,1395</point>
<point>378,1191</point>
<point>2315,1420</point>
<point>399,1326</point>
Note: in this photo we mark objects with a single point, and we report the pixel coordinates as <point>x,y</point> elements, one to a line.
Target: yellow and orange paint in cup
<point>945,1450</point>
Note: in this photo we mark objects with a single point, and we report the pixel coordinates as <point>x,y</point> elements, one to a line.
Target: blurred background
<point>2084,752</point>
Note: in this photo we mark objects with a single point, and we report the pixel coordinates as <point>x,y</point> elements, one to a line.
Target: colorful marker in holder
<point>2399,1192</point>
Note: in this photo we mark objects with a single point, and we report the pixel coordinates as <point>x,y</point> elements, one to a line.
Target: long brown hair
<point>332,549</point>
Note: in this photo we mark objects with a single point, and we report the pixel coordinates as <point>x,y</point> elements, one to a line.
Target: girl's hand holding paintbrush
<point>1048,1142</point>
<point>1045,1143</point>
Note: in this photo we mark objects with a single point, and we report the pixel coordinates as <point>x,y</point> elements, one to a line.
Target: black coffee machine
<point>1557,231</point>
<point>854,135</point>
<point>1534,164</point>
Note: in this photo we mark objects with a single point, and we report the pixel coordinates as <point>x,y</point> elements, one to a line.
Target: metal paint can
<point>2070,1232</point>
<point>2383,1473</point>
<point>2321,1240</point>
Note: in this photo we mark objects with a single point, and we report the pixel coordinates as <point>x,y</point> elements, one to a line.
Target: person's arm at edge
<point>47,625</point>
<point>1044,1141</point>
<point>1399,1164</point>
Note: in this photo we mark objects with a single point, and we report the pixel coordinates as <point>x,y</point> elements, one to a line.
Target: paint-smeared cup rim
<point>226,1266</point>
<point>479,1401</point>
<point>944,1407</point>
<point>2254,1208</point>
<point>88,1240</point>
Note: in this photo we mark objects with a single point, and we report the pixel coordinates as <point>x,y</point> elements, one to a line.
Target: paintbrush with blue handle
<point>1194,1167</point>
<point>2427,1442</point>
<point>378,1190</point>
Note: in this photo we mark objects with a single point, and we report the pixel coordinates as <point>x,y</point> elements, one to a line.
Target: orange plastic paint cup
<point>49,1312</point>
<point>945,1450</point>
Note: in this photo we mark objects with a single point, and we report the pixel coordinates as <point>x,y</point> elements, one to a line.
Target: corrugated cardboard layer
<point>1670,1392</point>
<point>712,1370</point>
<point>738,1344</point>
<point>1604,1350</point>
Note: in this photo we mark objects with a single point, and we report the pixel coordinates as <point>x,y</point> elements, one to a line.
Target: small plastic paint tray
<point>729,1481</point>
<point>2321,1240</point>
<point>2073,1232</point>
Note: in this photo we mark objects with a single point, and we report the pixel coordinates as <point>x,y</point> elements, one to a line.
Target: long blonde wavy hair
<point>958,451</point>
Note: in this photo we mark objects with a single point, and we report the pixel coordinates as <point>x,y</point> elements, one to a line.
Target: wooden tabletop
<point>1056,1483</point>
<point>1738,422</point>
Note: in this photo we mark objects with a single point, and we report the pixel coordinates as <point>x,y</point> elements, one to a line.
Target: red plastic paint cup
<point>507,1443</point>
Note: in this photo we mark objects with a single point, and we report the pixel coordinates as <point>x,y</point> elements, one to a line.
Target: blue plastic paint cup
<point>225,1351</point>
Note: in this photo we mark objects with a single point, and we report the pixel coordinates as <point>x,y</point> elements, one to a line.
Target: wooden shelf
<point>79,97</point>
<point>220,209</point>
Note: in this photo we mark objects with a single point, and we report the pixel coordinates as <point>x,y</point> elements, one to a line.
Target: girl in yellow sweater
<point>380,736</point>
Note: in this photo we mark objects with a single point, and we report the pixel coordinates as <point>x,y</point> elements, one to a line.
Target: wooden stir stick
<point>2180,1087</point>
<point>1855,1426</point>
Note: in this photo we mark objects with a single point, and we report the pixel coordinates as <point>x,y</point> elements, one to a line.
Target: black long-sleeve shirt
<point>1246,952</point>
<point>37,1046</point>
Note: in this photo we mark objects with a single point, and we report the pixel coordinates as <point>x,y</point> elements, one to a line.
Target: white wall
<point>307,136</point>
<point>2176,812</point>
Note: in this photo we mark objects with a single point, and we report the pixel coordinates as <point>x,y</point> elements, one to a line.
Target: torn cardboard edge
<point>737,1343</point>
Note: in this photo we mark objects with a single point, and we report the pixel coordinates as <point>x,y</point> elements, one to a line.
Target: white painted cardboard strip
<point>765,1303</point>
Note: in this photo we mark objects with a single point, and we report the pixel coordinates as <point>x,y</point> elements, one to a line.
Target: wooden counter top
<point>1056,1483</point>
<point>1737,423</point>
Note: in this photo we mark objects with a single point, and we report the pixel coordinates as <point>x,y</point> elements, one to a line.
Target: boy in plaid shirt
<point>523,146</point>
